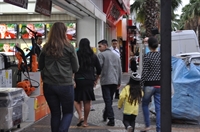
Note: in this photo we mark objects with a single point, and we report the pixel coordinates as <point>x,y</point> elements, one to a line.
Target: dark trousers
<point>61,102</point>
<point>129,120</point>
<point>108,92</point>
<point>117,94</point>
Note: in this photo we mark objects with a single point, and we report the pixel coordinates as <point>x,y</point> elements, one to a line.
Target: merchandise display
<point>26,30</point>
<point>6,77</point>
<point>13,107</point>
<point>7,48</point>
<point>21,85</point>
<point>8,31</point>
<point>10,97</point>
<point>71,31</point>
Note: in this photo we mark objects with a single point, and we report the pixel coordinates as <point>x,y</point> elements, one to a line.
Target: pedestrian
<point>150,81</point>
<point>145,40</point>
<point>114,47</point>
<point>37,47</point>
<point>110,78</point>
<point>130,97</point>
<point>133,64</point>
<point>86,78</point>
<point>116,51</point>
<point>57,62</point>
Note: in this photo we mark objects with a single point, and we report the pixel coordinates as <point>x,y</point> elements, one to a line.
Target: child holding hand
<point>130,97</point>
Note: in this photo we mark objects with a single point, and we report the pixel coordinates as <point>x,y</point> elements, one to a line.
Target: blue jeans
<point>150,91</point>
<point>60,100</point>
<point>108,92</point>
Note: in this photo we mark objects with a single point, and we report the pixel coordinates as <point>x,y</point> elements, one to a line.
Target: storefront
<point>84,19</point>
<point>116,26</point>
<point>78,16</point>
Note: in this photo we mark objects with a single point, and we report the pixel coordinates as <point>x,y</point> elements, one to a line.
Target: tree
<point>151,15</point>
<point>190,18</point>
<point>148,12</point>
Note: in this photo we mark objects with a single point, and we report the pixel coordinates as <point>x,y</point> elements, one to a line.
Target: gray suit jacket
<point>111,68</point>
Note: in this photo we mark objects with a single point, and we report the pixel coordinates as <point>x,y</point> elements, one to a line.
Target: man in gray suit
<point>110,78</point>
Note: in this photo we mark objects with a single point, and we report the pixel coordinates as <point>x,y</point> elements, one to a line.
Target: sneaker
<point>146,129</point>
<point>92,109</point>
<point>129,129</point>
<point>111,123</point>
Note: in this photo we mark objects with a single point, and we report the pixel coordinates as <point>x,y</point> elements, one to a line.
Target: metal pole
<point>165,65</point>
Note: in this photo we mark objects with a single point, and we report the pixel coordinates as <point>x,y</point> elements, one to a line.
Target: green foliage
<point>191,14</point>
<point>39,25</point>
<point>69,24</point>
<point>11,25</point>
<point>139,7</point>
<point>23,29</point>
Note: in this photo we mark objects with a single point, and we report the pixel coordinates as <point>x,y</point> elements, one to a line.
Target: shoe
<point>146,129</point>
<point>129,129</point>
<point>111,123</point>
<point>80,122</point>
<point>92,109</point>
<point>153,112</point>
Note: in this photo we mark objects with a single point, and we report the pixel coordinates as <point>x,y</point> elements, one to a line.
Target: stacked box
<point>2,78</point>
<point>37,108</point>
<point>6,78</point>
<point>11,96</point>
<point>12,107</point>
<point>12,116</point>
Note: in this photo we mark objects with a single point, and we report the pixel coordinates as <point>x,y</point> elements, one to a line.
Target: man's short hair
<point>103,42</point>
<point>113,40</point>
<point>153,42</point>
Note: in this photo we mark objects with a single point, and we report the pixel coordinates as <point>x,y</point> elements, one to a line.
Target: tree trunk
<point>151,15</point>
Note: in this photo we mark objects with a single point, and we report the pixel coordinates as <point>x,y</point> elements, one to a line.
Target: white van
<point>184,41</point>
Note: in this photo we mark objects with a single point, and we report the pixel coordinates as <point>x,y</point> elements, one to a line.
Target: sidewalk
<point>95,119</point>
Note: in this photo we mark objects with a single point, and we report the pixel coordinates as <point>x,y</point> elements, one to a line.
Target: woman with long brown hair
<point>57,62</point>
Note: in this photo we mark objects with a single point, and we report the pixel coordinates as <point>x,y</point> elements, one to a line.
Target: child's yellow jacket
<point>123,99</point>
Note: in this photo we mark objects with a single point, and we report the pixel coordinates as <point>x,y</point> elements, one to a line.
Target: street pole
<point>165,65</point>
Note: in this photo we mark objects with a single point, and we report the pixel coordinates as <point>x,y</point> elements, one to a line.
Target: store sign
<point>20,3</point>
<point>114,14</point>
<point>43,7</point>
